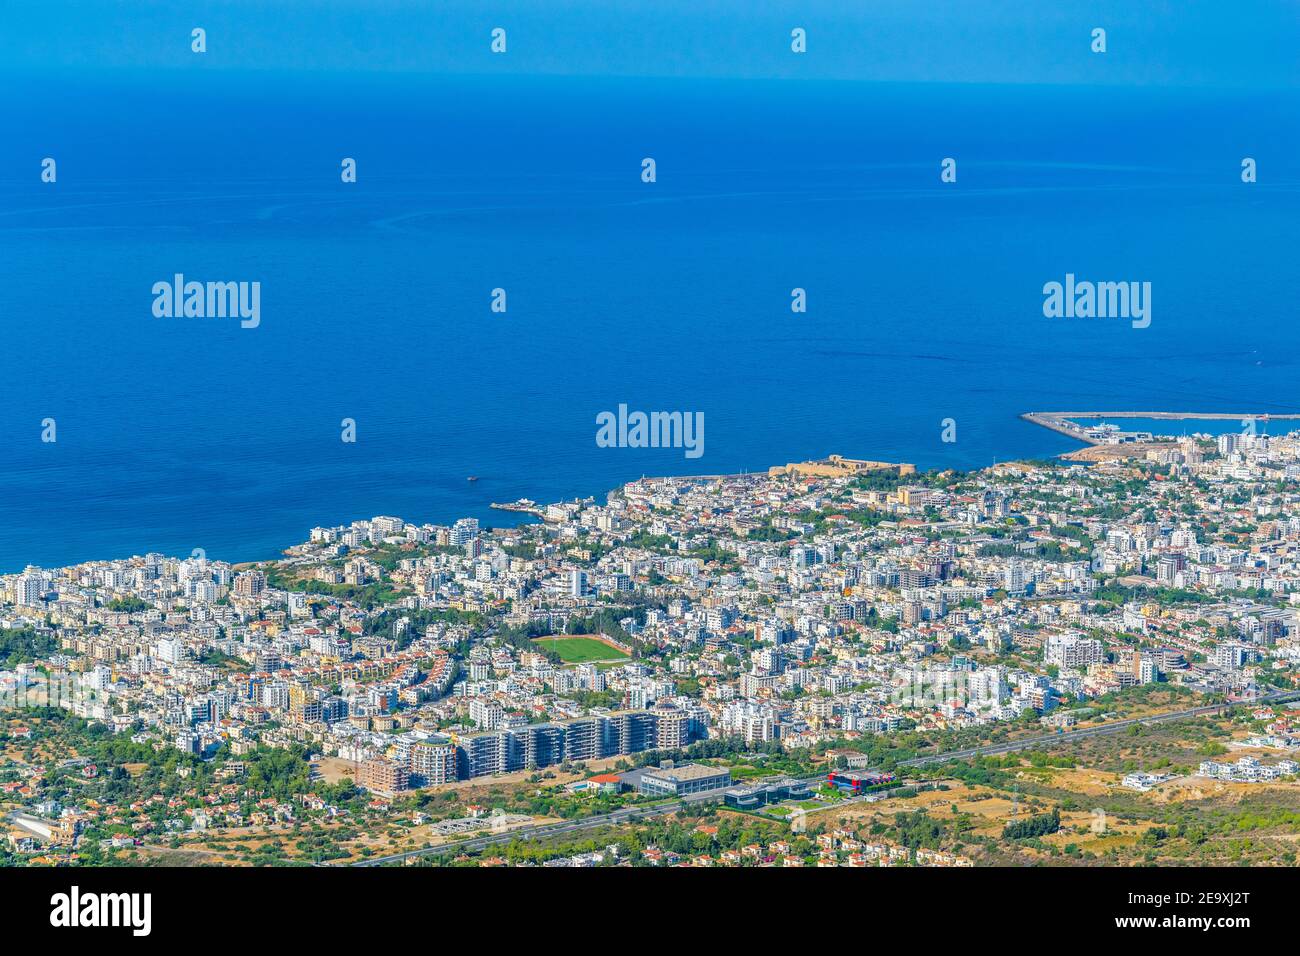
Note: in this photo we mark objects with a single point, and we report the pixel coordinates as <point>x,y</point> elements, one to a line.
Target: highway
<point>623,815</point>
<point>628,814</point>
<point>1111,727</point>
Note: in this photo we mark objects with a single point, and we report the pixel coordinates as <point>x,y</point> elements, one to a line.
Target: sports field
<point>576,649</point>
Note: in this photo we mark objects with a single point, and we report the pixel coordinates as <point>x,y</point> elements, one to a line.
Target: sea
<point>924,298</point>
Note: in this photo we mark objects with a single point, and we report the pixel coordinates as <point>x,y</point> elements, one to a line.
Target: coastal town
<point>834,662</point>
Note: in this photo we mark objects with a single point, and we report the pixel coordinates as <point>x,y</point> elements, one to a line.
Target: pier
<point>1062,421</point>
<point>523,505</point>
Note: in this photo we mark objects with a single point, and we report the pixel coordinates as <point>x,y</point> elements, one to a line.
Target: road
<point>1111,727</point>
<point>659,809</point>
<point>623,815</point>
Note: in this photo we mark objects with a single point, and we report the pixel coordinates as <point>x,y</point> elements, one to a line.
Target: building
<point>837,466</point>
<point>577,583</point>
<point>383,776</point>
<point>683,780</point>
<point>1071,652</point>
<point>672,728</point>
<point>858,781</point>
<point>250,583</point>
<point>770,791</point>
<point>534,746</point>
<point>629,732</point>
<point>486,714</point>
<point>432,763</point>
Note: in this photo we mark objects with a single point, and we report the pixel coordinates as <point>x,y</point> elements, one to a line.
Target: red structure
<point>857,781</point>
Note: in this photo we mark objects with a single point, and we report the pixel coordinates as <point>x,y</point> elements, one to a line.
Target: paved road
<point>1111,727</point>
<point>552,829</point>
<point>659,809</point>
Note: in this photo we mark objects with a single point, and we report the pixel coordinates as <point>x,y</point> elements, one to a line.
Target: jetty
<point>524,505</point>
<point>1063,421</point>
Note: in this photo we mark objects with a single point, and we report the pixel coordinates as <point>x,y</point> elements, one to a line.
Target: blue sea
<point>924,298</point>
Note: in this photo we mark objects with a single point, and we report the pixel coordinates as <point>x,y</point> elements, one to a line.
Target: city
<point>363,560</point>
<point>835,662</point>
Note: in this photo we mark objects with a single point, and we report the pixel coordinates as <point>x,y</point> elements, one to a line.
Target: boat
<point>472,478</point>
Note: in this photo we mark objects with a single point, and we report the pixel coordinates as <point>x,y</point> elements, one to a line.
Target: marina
<point>1105,434</point>
<point>523,505</point>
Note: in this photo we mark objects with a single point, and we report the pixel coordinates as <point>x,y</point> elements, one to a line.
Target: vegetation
<point>131,605</point>
<point>21,645</point>
<point>1038,825</point>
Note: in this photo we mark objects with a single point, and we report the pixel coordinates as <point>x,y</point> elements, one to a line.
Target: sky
<point>1230,44</point>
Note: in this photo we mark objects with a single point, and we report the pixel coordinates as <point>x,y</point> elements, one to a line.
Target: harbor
<point>522,505</point>
<point>1064,423</point>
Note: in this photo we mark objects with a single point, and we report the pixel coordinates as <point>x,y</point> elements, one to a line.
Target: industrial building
<point>858,781</point>
<point>770,791</point>
<point>686,779</point>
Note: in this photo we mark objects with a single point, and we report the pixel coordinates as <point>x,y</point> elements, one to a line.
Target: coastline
<point>505,515</point>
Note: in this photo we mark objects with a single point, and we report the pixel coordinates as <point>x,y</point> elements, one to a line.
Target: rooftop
<point>689,771</point>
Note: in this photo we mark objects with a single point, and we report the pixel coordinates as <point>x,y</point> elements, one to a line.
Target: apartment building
<point>383,776</point>
<point>432,763</point>
<point>587,738</point>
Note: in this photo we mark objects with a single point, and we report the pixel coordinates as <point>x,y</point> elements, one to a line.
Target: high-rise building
<point>577,583</point>
<point>250,583</point>
<point>432,763</point>
<point>30,588</point>
<point>672,728</point>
